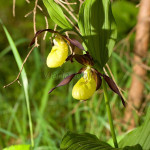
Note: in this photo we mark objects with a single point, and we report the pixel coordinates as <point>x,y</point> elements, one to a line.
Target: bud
<point>58,54</point>
<point>85,87</point>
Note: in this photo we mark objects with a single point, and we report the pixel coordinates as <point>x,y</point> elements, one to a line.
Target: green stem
<point>109,114</point>
<point>30,120</point>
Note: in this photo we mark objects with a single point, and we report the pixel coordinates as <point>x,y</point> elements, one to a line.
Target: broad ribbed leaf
<point>57,14</point>
<point>97,26</point>
<point>18,147</point>
<point>136,147</point>
<point>140,135</point>
<point>86,141</point>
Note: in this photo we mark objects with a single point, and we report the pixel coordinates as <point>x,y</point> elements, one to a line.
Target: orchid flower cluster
<point>92,78</point>
<point>86,86</point>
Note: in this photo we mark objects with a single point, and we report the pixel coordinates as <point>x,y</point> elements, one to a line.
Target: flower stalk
<point>109,114</point>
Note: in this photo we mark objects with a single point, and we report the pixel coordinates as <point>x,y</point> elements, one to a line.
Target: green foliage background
<point>57,113</point>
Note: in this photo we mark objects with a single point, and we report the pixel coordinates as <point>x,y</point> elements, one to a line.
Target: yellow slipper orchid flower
<point>92,79</point>
<point>58,54</point>
<point>85,87</point>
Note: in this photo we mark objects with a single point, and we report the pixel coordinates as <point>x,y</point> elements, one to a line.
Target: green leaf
<point>140,135</point>
<point>23,75</point>
<point>18,147</point>
<point>97,26</point>
<point>136,147</point>
<point>127,19</point>
<point>57,14</point>
<point>86,141</point>
<point>73,141</point>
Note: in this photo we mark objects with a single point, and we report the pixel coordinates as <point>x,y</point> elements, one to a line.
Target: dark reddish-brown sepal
<point>70,57</point>
<point>39,32</point>
<point>84,59</point>
<point>97,72</point>
<point>114,87</point>
<point>98,82</point>
<point>97,78</point>
<point>74,42</point>
<point>67,79</point>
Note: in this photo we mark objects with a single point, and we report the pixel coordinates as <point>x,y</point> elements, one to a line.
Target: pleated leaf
<point>57,14</point>
<point>86,141</point>
<point>97,26</point>
<point>140,135</point>
<point>73,141</point>
<point>136,147</point>
<point>18,147</point>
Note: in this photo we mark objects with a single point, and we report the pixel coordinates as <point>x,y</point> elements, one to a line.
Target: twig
<point>14,4</point>
<point>40,8</point>
<point>34,20</point>
<point>28,1</point>
<point>80,3</point>
<point>71,9</point>
<point>46,21</point>
<point>68,3</point>
<point>71,14</point>
<point>72,23</point>
<point>17,79</point>
<point>29,13</point>
<point>55,27</point>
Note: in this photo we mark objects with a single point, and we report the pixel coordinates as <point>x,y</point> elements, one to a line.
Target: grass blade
<point>23,76</point>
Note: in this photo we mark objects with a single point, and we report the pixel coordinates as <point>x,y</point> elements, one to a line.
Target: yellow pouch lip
<point>83,90</point>
<point>58,54</point>
<point>85,87</point>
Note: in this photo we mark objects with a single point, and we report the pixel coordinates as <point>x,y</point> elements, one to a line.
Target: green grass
<point>23,76</point>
